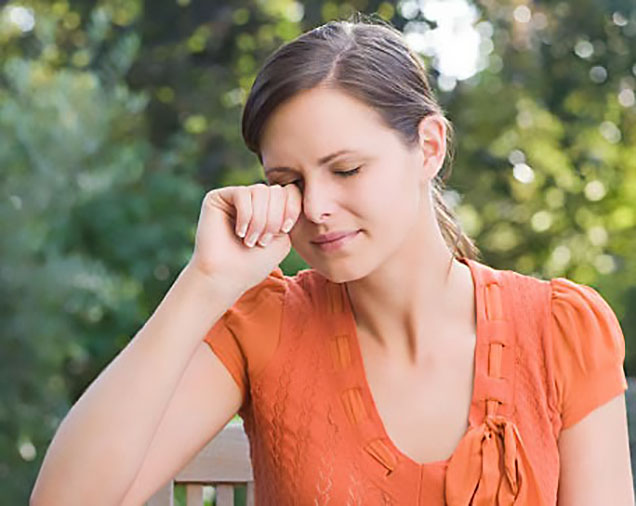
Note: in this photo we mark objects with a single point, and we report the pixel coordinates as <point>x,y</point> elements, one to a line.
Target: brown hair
<point>372,63</point>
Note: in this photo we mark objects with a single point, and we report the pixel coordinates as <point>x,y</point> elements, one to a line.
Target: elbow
<point>51,494</point>
<point>36,500</point>
<point>45,492</point>
<point>67,495</point>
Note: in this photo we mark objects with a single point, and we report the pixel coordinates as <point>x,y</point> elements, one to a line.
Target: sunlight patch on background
<point>458,44</point>
<point>21,17</point>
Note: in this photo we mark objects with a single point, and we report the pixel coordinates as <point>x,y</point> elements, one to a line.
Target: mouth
<point>336,243</point>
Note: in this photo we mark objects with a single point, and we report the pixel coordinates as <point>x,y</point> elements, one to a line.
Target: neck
<point>405,307</point>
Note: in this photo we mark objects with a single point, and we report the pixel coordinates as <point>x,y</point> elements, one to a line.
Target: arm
<point>205,401</point>
<point>595,462</point>
<point>101,443</point>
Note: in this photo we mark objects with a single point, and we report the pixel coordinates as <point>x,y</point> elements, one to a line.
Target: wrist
<point>210,282</point>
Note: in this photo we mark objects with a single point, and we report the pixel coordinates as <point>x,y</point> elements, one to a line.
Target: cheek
<point>387,199</point>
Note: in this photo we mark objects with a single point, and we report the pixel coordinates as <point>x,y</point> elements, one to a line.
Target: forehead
<point>319,121</point>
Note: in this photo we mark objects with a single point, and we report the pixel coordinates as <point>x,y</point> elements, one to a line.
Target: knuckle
<point>259,187</point>
<point>293,191</point>
<point>260,196</point>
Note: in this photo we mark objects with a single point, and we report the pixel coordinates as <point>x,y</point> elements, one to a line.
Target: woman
<point>398,369</point>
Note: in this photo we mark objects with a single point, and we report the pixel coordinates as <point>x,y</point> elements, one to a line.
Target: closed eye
<point>346,173</point>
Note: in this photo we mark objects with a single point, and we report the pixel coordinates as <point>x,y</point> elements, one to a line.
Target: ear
<point>432,145</point>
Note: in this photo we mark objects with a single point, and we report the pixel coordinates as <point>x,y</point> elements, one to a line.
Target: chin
<point>337,271</point>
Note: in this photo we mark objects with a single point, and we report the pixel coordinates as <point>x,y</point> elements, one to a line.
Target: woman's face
<point>381,200</point>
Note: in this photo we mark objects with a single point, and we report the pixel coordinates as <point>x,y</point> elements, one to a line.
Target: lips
<point>333,236</point>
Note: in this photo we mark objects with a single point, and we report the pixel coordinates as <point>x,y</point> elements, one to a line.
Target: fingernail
<point>265,239</point>
<point>288,225</point>
<point>242,231</point>
<point>252,239</point>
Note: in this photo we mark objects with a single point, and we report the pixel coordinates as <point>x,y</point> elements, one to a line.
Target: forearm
<point>101,442</point>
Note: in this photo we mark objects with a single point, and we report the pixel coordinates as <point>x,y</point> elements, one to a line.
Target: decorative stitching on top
<point>383,454</point>
<point>340,351</point>
<point>353,405</point>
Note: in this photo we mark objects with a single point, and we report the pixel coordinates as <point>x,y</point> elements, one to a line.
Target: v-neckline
<point>367,394</point>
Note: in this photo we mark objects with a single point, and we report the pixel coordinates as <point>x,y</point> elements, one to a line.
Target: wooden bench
<point>224,463</point>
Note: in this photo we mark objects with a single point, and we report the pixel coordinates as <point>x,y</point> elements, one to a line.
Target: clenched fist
<point>242,233</point>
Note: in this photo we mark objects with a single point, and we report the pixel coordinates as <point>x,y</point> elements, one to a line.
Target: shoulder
<point>584,343</point>
<point>585,329</point>
<point>260,303</point>
<point>566,298</point>
<point>278,296</point>
<point>588,349</point>
<point>247,335</point>
<point>523,293</point>
<point>573,304</point>
<point>581,321</point>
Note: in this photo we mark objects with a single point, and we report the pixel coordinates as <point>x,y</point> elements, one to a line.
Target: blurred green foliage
<point>117,116</point>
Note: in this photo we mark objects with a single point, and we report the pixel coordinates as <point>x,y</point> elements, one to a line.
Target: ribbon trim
<point>490,468</point>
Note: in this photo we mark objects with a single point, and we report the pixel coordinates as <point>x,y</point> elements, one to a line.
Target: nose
<point>318,201</point>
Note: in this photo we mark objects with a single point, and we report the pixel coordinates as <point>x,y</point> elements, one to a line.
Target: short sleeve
<point>247,335</point>
<point>588,350</point>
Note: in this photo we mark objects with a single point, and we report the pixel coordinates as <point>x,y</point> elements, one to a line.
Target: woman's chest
<point>317,436</point>
<point>328,423</point>
<point>423,409</point>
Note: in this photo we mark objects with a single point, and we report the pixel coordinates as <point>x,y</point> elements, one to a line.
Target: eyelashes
<point>351,172</point>
<point>344,174</point>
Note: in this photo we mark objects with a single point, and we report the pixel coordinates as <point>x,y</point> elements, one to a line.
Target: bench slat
<point>194,494</point>
<point>224,495</point>
<point>224,463</point>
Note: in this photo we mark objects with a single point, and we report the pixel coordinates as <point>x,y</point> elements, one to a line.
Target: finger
<point>260,202</point>
<point>275,211</point>
<point>242,202</point>
<point>293,207</point>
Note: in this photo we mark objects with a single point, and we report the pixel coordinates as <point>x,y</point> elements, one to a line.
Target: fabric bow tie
<point>490,468</point>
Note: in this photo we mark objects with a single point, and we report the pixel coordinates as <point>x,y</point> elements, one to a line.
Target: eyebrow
<point>321,161</point>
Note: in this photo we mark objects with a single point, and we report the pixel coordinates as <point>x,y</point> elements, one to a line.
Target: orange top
<point>547,353</point>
